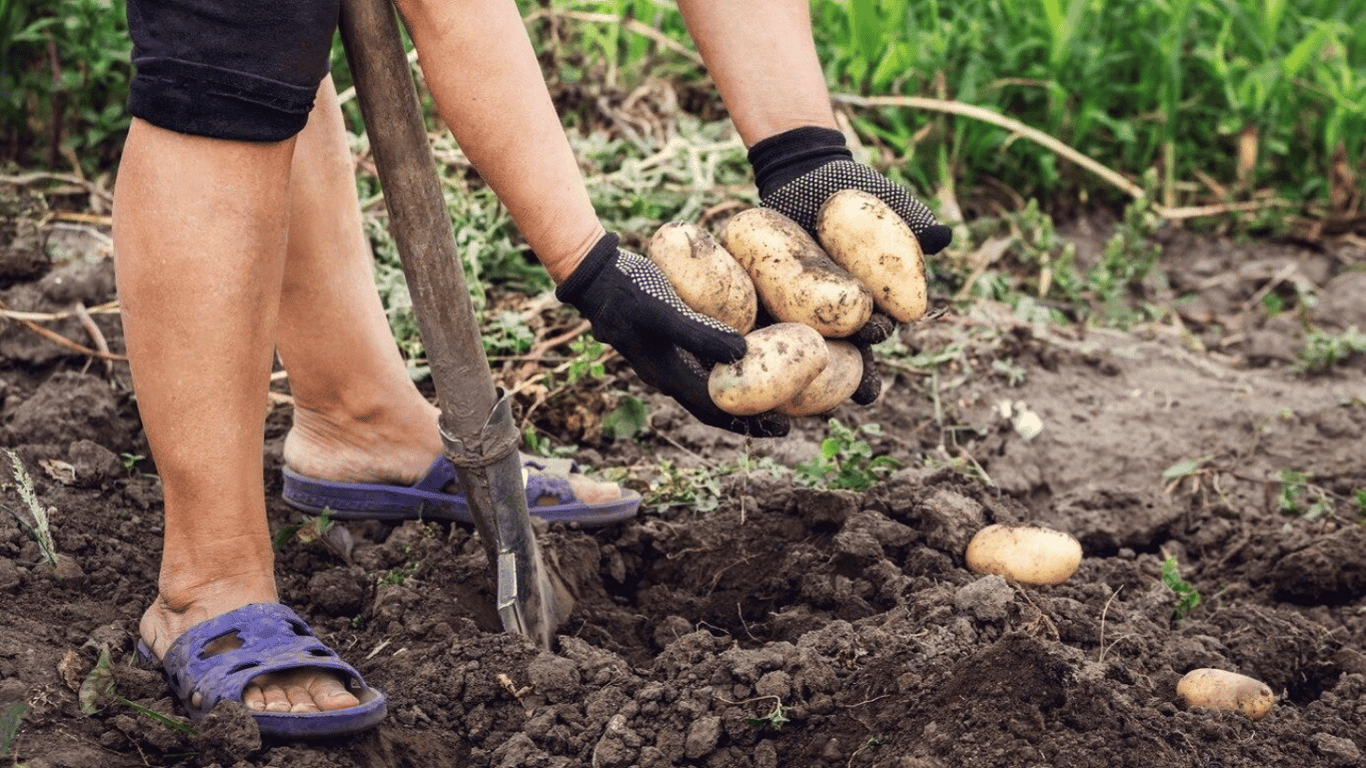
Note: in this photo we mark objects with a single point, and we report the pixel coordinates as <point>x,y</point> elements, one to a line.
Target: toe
<point>591,491</point>
<point>328,693</point>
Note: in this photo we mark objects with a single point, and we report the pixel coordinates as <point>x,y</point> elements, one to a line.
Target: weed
<point>698,489</point>
<point>871,743</point>
<point>11,718</point>
<point>1296,490</point>
<point>1011,371</point>
<point>98,685</point>
<point>130,460</point>
<point>397,576</point>
<point>1128,258</point>
<point>320,529</point>
<point>587,364</point>
<point>775,719</point>
<point>846,461</point>
<point>507,334</point>
<point>1187,597</point>
<point>627,420</point>
<point>1360,495</point>
<point>1323,351</point>
<point>541,446</point>
<point>33,518</point>
<point>1183,469</point>
<point>157,717</point>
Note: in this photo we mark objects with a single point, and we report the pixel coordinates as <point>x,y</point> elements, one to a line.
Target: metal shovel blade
<point>477,428</point>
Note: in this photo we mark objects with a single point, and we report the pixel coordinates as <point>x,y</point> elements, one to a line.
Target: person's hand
<point>632,307</point>
<point>798,170</point>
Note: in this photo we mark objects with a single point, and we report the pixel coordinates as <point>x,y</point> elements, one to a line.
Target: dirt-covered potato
<point>780,361</point>
<point>831,386</point>
<point>1227,691</point>
<point>704,275</point>
<point>865,236</point>
<point>1028,554</point>
<point>796,281</point>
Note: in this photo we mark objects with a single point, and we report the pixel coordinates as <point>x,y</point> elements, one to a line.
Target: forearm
<point>763,60</point>
<point>481,68</point>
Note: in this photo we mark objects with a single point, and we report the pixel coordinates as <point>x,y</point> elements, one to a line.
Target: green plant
<point>846,460</point>
<point>775,719</point>
<point>320,529</point>
<point>157,717</point>
<point>98,685</point>
<point>627,420</point>
<point>587,363</point>
<point>32,517</point>
<point>65,81</point>
<point>1187,597</point>
<point>397,576</point>
<point>129,460</point>
<point>507,333</point>
<point>1296,490</point>
<point>698,489</point>
<point>11,718</point>
<point>1323,351</point>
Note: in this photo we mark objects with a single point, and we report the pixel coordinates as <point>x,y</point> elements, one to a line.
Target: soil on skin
<point>793,626</point>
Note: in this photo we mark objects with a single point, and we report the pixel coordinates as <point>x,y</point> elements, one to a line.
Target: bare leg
<point>761,55</point>
<point>200,241</point>
<point>481,68</point>
<point>357,415</point>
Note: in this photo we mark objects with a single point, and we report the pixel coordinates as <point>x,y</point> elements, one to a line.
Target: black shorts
<point>229,69</point>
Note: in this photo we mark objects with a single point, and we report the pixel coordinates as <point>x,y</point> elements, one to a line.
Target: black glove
<point>798,170</point>
<point>633,308</point>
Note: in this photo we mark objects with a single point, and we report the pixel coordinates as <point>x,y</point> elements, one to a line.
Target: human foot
<point>325,455</point>
<point>263,655</point>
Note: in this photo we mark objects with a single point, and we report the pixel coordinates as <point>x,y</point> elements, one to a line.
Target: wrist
<point>783,157</point>
<point>586,272</point>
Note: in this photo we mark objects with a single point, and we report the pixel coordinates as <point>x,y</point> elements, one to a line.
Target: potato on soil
<point>865,236</point>
<point>704,275</point>
<point>1227,691</point>
<point>1028,554</point>
<point>831,386</point>
<point>796,281</point>
<point>780,361</point>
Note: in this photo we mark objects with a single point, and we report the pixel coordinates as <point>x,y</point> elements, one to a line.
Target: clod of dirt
<point>227,734</point>
<point>68,406</point>
<point>1330,571</point>
<point>93,463</point>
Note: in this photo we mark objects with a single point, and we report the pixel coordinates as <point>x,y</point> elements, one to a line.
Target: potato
<point>1227,691</point>
<point>780,361</point>
<point>831,386</point>
<point>703,275</point>
<point>865,236</point>
<point>1025,553</point>
<point>796,281</point>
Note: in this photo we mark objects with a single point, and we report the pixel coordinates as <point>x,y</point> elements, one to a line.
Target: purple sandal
<point>273,639</point>
<point>549,497</point>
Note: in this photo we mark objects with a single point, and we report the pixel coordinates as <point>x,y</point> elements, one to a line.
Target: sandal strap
<point>273,639</point>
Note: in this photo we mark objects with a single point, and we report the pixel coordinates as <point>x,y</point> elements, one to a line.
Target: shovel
<point>477,429</point>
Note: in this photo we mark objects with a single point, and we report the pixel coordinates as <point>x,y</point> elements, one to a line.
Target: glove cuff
<point>787,155</point>
<point>596,260</point>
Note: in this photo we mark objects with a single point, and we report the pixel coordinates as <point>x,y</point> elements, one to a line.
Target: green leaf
<point>1185,467</point>
<point>626,420</point>
<point>97,686</point>
<point>865,28</point>
<point>1309,46</point>
<point>10,719</point>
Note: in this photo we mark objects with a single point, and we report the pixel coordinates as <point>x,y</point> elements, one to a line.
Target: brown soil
<point>849,613</point>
